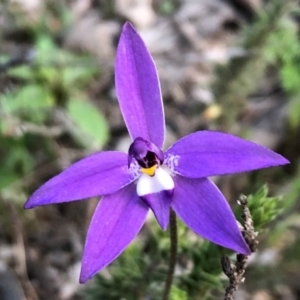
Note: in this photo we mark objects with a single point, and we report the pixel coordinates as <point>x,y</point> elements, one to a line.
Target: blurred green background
<point>231,66</point>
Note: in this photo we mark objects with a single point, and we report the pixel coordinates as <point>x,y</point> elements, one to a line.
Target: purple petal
<point>205,153</point>
<point>160,204</point>
<point>202,207</point>
<point>98,174</point>
<point>138,88</point>
<point>117,220</point>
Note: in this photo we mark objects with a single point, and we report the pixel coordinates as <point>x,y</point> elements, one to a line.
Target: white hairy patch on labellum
<point>161,181</point>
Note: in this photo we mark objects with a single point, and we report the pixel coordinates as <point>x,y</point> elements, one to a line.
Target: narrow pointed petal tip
<point>29,205</point>
<point>208,153</point>
<point>203,208</point>
<point>98,174</point>
<point>160,204</point>
<point>138,88</point>
<point>117,220</point>
<point>128,27</point>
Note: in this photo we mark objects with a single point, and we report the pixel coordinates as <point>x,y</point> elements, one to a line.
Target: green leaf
<point>290,76</point>
<point>16,163</point>
<point>294,110</point>
<point>92,128</point>
<point>22,72</point>
<point>178,294</point>
<point>77,74</point>
<point>45,44</point>
<point>29,98</point>
<point>31,102</point>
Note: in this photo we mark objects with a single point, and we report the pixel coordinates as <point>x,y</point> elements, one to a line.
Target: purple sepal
<point>202,207</point>
<point>208,153</point>
<point>146,153</point>
<point>117,220</point>
<point>138,88</point>
<point>98,174</point>
<point>160,204</point>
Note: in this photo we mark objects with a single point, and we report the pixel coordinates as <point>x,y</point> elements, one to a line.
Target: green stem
<point>173,255</point>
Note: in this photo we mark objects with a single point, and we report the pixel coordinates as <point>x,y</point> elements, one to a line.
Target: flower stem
<point>173,255</point>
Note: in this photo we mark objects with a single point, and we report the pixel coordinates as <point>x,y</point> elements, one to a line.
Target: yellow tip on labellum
<point>149,171</point>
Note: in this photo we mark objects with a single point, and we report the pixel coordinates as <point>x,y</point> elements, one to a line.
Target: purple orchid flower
<point>147,177</point>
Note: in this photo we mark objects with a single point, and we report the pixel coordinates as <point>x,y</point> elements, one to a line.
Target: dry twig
<point>235,271</point>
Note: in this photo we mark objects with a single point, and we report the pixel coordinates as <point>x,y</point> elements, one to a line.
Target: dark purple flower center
<point>145,153</point>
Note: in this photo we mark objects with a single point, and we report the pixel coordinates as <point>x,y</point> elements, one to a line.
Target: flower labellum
<point>147,177</point>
